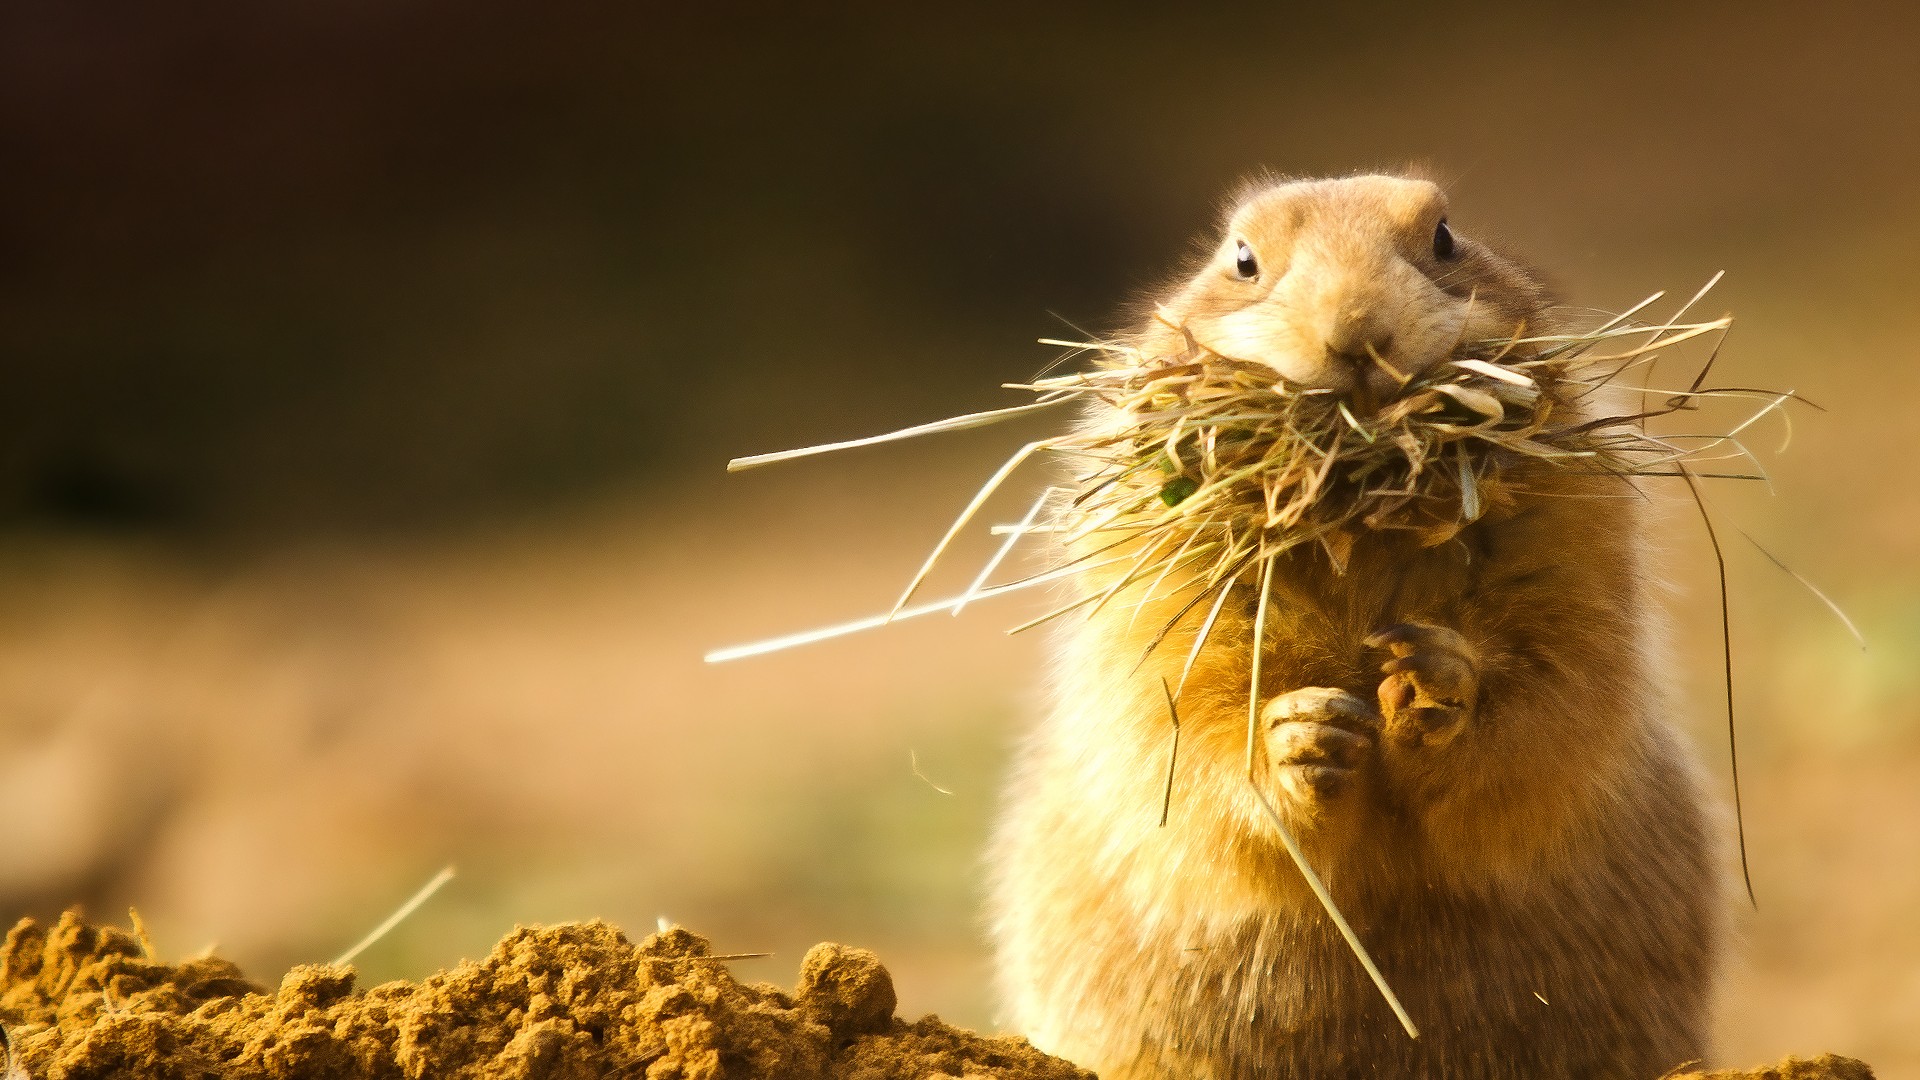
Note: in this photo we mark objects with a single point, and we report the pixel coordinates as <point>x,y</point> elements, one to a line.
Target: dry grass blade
<point>957,423</point>
<point>874,622</point>
<point>1173,753</point>
<point>979,499</point>
<point>1264,601</point>
<point>399,916</point>
<point>913,761</point>
<point>1839,612</point>
<point>1200,639</point>
<point>1326,901</point>
<point>1000,554</point>
<point>1726,652</point>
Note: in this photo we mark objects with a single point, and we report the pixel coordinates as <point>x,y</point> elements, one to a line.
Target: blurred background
<point>370,369</point>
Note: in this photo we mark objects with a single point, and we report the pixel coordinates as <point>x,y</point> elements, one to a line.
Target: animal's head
<point>1353,285</point>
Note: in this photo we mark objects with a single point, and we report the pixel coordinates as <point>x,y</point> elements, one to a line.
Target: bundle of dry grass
<point>1204,467</point>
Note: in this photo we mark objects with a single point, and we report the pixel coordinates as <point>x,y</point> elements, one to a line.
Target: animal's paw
<point>1317,738</point>
<point>1432,683</point>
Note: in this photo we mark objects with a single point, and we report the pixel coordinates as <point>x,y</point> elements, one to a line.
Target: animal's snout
<point>1359,339</point>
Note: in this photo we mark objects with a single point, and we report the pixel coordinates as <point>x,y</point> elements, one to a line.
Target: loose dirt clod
<point>577,1000</point>
<point>1824,1067</point>
<point>846,989</point>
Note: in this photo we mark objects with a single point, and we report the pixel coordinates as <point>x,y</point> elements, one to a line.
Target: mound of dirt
<point>1824,1067</point>
<point>578,1000</point>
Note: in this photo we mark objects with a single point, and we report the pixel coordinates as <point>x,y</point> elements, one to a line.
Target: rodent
<point>1472,742</point>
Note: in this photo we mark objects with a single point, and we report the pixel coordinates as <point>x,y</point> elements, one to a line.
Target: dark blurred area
<point>364,265</point>
<point>371,367</point>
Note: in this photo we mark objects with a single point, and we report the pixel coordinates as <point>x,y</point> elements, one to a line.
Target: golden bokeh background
<point>371,368</point>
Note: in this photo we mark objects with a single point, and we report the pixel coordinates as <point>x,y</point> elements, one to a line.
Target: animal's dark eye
<point>1244,263</point>
<point>1442,241</point>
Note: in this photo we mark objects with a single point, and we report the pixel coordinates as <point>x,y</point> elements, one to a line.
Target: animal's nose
<point>1357,336</point>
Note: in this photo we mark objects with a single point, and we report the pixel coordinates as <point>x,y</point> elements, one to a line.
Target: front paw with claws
<point>1317,738</point>
<point>1432,683</point>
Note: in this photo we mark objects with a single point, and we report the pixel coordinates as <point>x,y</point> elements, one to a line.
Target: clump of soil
<point>1824,1067</point>
<point>578,1000</point>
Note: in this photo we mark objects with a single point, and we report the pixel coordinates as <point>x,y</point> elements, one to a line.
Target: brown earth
<point>1824,1067</point>
<point>566,1001</point>
<point>573,1000</point>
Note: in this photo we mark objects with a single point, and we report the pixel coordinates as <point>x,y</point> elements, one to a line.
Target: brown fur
<point>1498,802</point>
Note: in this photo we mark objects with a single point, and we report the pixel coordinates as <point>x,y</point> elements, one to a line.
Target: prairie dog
<point>1470,741</point>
